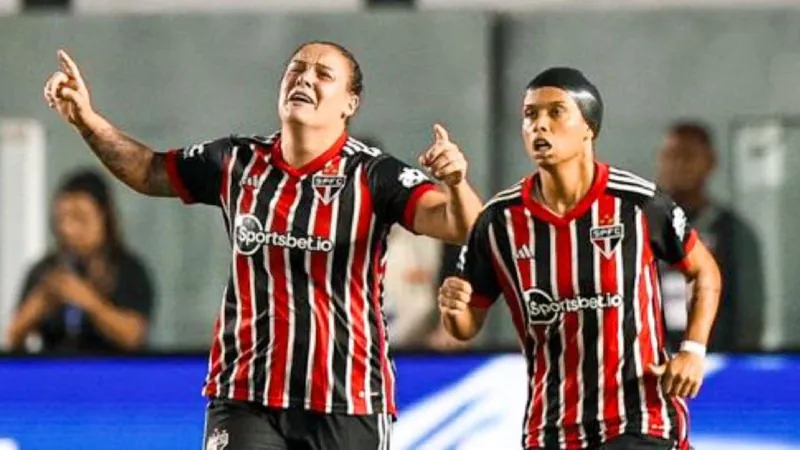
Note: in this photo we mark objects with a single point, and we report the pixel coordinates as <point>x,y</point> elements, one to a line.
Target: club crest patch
<point>607,238</point>
<point>328,187</point>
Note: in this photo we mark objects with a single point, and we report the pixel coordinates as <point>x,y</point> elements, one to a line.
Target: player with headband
<point>573,249</point>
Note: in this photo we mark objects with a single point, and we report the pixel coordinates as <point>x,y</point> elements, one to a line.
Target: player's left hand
<point>444,159</point>
<point>682,375</point>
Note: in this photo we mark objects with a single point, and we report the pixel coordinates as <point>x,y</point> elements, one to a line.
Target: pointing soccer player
<point>300,357</point>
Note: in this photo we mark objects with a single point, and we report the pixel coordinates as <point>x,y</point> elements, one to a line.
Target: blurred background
<point>701,95</point>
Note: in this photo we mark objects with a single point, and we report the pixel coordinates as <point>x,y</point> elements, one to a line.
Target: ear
<point>352,106</point>
<point>589,133</point>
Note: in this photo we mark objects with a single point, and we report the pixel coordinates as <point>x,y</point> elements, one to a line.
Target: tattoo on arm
<point>132,162</point>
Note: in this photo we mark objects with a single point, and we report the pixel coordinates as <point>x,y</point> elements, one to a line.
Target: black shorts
<point>237,425</point>
<point>634,442</point>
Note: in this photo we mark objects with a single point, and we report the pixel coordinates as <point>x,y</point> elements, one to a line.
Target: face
<point>553,128</point>
<point>80,225</point>
<point>684,164</point>
<point>315,89</point>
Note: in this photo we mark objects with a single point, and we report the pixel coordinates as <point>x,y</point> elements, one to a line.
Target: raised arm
<point>131,161</point>
<point>447,214</point>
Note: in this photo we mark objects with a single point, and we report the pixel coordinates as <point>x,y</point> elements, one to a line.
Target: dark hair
<point>91,183</point>
<point>585,94</point>
<point>693,129</point>
<point>356,83</point>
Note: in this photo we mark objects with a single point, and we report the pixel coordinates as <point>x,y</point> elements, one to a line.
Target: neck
<point>564,185</point>
<point>301,144</point>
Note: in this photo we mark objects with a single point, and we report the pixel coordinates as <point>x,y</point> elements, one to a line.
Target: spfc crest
<point>607,238</point>
<point>328,187</point>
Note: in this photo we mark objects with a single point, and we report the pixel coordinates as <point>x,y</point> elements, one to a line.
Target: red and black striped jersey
<point>301,321</point>
<point>584,297</point>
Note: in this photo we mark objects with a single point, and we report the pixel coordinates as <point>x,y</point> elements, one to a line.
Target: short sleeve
<point>195,172</point>
<point>671,235</point>
<point>475,263</point>
<point>396,187</point>
<point>134,287</point>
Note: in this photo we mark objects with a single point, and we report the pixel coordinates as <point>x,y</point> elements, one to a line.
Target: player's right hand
<point>454,296</point>
<point>66,92</point>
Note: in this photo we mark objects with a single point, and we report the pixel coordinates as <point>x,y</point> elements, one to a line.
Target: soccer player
<point>299,357</point>
<point>573,248</point>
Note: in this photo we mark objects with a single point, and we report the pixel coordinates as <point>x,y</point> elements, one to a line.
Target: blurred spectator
<point>90,294</point>
<point>412,269</point>
<point>685,164</point>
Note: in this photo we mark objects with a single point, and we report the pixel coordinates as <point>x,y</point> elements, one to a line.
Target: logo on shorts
<point>543,310</point>
<point>249,236</point>
<point>218,440</point>
<point>607,238</point>
<point>328,187</point>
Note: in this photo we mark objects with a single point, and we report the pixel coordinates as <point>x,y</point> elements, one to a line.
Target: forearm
<point>132,162</point>
<point>703,306</point>
<point>27,318</point>
<point>461,210</point>
<point>126,329</point>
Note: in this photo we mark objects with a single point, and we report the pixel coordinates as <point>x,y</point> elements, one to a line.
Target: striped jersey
<point>301,322</point>
<point>584,297</point>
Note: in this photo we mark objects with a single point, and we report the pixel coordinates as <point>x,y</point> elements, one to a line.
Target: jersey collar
<point>311,166</point>
<point>541,212</point>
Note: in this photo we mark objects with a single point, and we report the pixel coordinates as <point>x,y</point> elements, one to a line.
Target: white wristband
<point>693,347</point>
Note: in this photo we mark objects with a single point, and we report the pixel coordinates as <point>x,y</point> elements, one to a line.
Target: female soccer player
<point>573,248</point>
<point>299,358</point>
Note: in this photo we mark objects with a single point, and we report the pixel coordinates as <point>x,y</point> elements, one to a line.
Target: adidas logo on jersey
<point>252,181</point>
<point>525,252</point>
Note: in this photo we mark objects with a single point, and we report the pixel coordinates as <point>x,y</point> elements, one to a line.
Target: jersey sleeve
<point>195,172</point>
<point>475,263</point>
<point>396,187</point>
<point>671,235</point>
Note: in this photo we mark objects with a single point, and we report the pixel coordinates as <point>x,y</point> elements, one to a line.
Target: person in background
<point>90,294</point>
<point>686,161</point>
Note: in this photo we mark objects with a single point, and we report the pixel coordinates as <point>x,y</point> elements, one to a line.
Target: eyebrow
<point>300,61</point>
<point>545,104</point>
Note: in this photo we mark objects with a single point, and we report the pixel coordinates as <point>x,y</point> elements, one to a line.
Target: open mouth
<point>301,97</point>
<point>541,145</point>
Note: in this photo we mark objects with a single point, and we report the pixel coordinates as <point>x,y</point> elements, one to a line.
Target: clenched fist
<point>682,375</point>
<point>444,159</point>
<point>66,92</point>
<point>454,296</point>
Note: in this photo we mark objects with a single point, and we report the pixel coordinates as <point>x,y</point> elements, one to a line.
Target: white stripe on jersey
<point>312,305</point>
<point>271,286</point>
<point>630,188</point>
<point>332,298</point>
<point>508,194</point>
<point>637,305</point>
<point>598,286</point>
<point>579,337</point>
<point>629,177</point>
<point>348,297</point>
<point>620,263</point>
